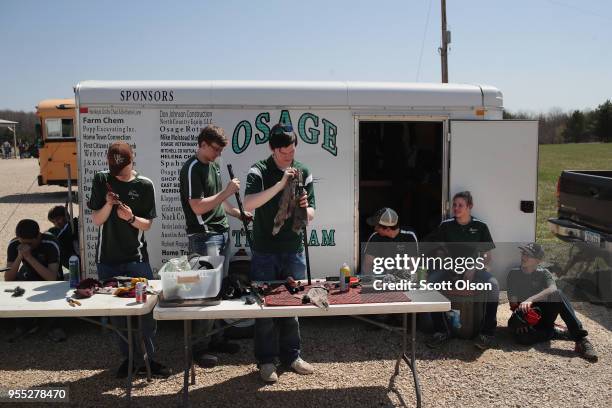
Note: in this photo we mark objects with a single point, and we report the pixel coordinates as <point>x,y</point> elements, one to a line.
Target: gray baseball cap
<point>385,216</point>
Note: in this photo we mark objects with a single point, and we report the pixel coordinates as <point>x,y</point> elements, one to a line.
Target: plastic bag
<point>180,264</point>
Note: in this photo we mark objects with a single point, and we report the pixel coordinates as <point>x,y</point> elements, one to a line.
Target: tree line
<point>555,126</point>
<point>26,129</point>
<point>578,126</point>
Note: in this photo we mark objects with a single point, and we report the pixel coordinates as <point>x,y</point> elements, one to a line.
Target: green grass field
<point>555,158</point>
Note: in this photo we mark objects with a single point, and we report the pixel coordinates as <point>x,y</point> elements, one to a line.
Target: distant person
<point>62,230</point>
<point>205,204</point>
<point>6,147</point>
<point>466,236</point>
<point>33,256</point>
<point>123,205</point>
<point>536,303</point>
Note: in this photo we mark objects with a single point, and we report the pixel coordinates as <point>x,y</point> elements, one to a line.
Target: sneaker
<point>302,367</point>
<point>224,347</point>
<point>586,350</point>
<point>484,341</point>
<point>561,333</point>
<point>122,371</point>
<point>57,335</point>
<point>158,370</point>
<point>205,360</point>
<point>267,372</point>
<point>438,339</point>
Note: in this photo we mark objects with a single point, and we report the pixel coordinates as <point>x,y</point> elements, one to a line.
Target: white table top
<point>421,301</point>
<point>48,299</point>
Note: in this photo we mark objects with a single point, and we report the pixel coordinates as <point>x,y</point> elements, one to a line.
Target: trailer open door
<point>498,162</point>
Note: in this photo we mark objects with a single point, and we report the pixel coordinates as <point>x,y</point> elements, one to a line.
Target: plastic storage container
<point>195,284</point>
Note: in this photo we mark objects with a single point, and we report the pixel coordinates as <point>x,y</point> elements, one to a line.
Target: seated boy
<point>65,236</point>
<point>33,256</point>
<point>537,302</point>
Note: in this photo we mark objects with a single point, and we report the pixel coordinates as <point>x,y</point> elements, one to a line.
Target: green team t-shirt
<point>199,180</point>
<point>263,175</point>
<point>523,285</point>
<point>118,241</point>
<point>465,240</point>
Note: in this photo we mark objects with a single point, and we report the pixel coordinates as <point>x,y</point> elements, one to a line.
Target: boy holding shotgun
<point>281,255</point>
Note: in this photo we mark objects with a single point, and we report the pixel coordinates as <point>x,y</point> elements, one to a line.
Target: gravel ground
<point>354,362</point>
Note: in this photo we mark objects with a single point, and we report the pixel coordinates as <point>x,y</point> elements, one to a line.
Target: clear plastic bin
<point>195,284</point>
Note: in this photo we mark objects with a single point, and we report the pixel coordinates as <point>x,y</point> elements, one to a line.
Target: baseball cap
<point>533,250</point>
<point>385,216</point>
<point>119,155</point>
<point>280,128</point>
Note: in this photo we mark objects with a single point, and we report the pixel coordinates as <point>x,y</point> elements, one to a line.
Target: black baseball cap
<point>532,250</point>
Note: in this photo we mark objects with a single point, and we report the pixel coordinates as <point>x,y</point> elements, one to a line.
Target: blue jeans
<point>149,326</point>
<point>277,337</point>
<point>199,244</point>
<point>557,304</point>
<point>489,323</point>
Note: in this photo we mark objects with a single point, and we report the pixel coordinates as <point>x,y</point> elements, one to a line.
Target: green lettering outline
<point>248,132</point>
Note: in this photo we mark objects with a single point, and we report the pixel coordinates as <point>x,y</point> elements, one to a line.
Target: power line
<point>423,43</point>
<point>580,9</point>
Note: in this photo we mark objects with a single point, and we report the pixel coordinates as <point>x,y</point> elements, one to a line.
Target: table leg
<point>188,360</point>
<point>411,362</point>
<point>130,358</point>
<point>106,326</point>
<point>191,354</point>
<point>144,349</point>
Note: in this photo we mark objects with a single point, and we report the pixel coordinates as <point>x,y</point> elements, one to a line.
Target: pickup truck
<point>584,218</point>
<point>584,207</point>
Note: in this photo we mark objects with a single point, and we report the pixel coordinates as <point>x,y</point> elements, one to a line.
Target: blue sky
<point>540,53</point>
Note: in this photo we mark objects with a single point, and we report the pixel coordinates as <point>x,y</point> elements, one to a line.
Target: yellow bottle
<point>345,276</point>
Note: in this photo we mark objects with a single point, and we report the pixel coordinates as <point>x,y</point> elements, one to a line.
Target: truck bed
<point>584,206</point>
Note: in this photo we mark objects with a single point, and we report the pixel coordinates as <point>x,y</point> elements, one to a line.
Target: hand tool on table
<point>72,302</point>
<point>17,291</point>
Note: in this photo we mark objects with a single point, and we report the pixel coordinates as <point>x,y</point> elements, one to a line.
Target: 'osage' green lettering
<point>261,124</point>
<point>248,131</point>
<point>330,131</point>
<point>313,138</point>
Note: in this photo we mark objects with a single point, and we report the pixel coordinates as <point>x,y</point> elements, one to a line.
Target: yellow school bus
<point>57,141</point>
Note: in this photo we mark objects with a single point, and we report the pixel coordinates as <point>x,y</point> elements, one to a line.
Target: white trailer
<point>403,145</point>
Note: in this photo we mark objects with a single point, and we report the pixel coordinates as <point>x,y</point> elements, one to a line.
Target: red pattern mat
<point>279,296</point>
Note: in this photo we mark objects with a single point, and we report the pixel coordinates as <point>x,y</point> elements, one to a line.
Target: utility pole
<point>444,48</point>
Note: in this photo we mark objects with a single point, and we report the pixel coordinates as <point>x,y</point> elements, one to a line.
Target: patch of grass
<point>552,160</point>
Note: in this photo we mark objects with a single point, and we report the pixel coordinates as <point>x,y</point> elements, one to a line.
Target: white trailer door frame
<point>497,161</point>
